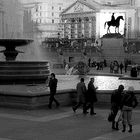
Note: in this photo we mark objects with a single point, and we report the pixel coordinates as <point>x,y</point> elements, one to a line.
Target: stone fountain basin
<point>15,42</point>
<point>32,96</point>
<point>23,72</point>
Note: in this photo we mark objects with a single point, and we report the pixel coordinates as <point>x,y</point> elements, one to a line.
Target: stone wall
<point>113,49</point>
<point>41,100</point>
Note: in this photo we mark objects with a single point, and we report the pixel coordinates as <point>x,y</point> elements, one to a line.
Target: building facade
<point>87,19</point>
<point>11,19</point>
<point>45,15</point>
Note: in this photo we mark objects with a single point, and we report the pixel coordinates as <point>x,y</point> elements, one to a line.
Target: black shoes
<point>57,105</point>
<point>74,110</point>
<point>85,112</point>
<point>93,113</point>
<point>130,128</point>
<point>124,128</point>
<point>49,106</point>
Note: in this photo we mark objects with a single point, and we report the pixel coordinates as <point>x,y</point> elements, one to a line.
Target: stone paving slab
<point>61,124</point>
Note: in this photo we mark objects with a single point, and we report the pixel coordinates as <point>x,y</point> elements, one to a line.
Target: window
<point>52,14</point>
<point>52,20</point>
<point>59,8</point>
<point>52,7</point>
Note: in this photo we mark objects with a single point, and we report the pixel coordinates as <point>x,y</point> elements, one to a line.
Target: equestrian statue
<point>114,22</point>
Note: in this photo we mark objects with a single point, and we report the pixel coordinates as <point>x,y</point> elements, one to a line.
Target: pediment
<point>79,7</point>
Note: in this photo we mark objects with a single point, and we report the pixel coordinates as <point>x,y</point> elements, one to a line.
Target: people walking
<point>129,101</point>
<point>116,98</point>
<point>91,96</point>
<point>53,86</point>
<point>81,91</point>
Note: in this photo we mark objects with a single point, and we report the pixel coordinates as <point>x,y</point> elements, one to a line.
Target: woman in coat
<point>129,101</point>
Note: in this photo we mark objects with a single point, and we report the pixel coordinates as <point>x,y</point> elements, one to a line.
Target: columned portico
<point>79,26</point>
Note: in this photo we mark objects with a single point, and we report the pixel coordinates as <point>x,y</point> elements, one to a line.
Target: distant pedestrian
<point>129,101</point>
<point>81,91</point>
<point>125,67</point>
<point>116,98</point>
<point>121,67</point>
<point>53,86</point>
<point>91,95</point>
<point>111,67</point>
<point>105,63</point>
<point>89,62</point>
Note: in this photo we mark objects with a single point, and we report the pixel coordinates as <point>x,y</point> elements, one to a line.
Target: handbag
<point>118,116</point>
<point>111,116</point>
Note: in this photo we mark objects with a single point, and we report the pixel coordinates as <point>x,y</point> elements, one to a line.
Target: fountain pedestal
<point>20,72</point>
<point>19,79</point>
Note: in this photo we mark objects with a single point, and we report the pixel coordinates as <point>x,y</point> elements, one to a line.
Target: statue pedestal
<point>112,48</point>
<point>113,35</point>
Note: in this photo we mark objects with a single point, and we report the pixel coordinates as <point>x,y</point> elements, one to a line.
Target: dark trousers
<point>80,104</point>
<point>51,99</point>
<point>115,110</point>
<point>90,105</point>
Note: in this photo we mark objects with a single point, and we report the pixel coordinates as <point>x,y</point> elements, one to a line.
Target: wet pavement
<point>62,124</point>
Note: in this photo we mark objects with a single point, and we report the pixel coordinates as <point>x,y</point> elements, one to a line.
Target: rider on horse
<point>113,18</point>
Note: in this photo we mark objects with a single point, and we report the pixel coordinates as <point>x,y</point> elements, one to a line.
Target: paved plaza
<point>62,124</point>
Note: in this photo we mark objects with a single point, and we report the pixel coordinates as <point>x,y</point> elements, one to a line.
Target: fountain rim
<point>17,61</point>
<point>21,41</point>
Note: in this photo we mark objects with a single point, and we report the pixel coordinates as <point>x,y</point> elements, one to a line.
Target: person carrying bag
<point>129,102</point>
<point>116,98</point>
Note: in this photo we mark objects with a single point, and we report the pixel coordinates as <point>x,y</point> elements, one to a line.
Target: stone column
<point>76,27</point>
<point>90,27</point>
<point>72,28</point>
<point>86,27</point>
<point>63,28</point>
<point>82,22</point>
<point>79,27</point>
<point>93,26</point>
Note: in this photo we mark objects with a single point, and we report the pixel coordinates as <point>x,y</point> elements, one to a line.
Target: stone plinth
<point>112,49</point>
<point>41,99</point>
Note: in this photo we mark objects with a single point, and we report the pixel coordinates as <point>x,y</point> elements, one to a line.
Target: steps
<point>24,72</point>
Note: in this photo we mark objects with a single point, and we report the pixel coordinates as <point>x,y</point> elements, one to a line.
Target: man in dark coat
<point>116,98</point>
<point>53,85</point>
<point>91,96</point>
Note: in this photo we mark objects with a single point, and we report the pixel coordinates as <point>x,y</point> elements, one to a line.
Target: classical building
<point>86,18</point>
<point>45,15</point>
<point>83,25</point>
<point>11,19</point>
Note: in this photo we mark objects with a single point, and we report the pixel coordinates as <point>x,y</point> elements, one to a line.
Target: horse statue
<point>115,23</point>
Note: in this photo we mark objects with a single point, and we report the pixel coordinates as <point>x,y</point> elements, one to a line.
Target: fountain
<point>21,81</point>
<point>20,72</point>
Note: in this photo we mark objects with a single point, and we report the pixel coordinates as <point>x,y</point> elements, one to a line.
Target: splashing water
<point>31,52</point>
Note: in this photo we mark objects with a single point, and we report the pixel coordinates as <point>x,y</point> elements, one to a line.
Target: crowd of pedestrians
<point>115,67</point>
<point>121,101</point>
